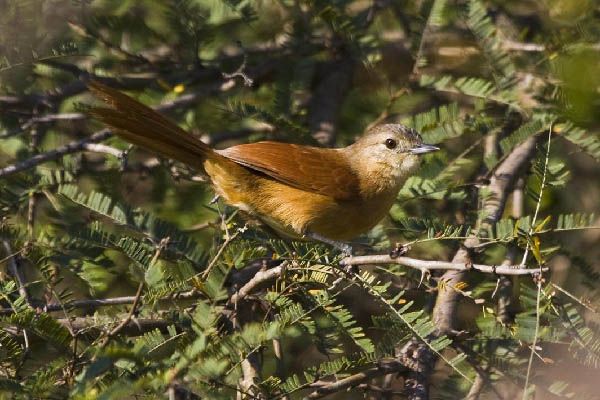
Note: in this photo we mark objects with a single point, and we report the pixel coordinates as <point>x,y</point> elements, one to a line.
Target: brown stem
<point>127,319</point>
<point>325,388</point>
<point>444,314</point>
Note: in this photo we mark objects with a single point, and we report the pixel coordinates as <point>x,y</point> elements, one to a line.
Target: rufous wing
<point>323,171</point>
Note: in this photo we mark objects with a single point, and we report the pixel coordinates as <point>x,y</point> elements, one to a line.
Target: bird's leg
<point>345,248</point>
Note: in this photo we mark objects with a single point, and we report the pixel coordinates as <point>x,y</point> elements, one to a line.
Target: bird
<point>331,195</point>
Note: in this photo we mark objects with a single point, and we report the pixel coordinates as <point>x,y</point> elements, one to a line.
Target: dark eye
<point>390,144</point>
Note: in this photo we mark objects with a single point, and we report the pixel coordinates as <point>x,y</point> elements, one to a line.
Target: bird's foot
<point>345,248</point>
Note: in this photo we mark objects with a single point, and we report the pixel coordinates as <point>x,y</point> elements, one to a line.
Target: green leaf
<point>588,142</point>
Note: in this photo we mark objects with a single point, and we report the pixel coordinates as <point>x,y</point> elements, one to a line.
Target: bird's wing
<point>323,171</point>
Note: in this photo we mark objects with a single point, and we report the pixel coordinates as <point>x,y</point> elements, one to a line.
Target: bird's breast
<point>294,212</point>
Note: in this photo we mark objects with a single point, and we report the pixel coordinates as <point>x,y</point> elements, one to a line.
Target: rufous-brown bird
<point>331,195</point>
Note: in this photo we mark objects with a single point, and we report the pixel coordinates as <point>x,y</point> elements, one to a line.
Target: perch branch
<point>429,265</point>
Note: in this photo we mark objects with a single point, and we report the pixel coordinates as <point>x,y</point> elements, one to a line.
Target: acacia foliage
<point>95,224</point>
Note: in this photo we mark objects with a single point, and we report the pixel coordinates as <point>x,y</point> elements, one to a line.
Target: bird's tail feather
<point>142,126</point>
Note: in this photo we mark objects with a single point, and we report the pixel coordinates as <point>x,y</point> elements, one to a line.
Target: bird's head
<point>389,153</point>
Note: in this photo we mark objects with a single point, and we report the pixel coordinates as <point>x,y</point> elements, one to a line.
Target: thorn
<point>399,250</point>
<point>424,272</point>
<point>497,286</point>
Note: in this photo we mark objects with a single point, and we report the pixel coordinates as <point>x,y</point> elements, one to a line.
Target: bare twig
<point>258,279</point>
<point>91,325</point>
<point>86,31</point>
<point>240,71</point>
<point>55,154</point>
<point>325,388</point>
<point>430,265</point>
<point>214,260</point>
<point>251,375</point>
<point>43,119</point>
<point>476,388</point>
<point>161,246</point>
<point>127,319</point>
<point>16,271</point>
<point>139,326</point>
<point>581,302</point>
<point>504,284</point>
<point>512,45</point>
<point>103,149</point>
<point>201,226</point>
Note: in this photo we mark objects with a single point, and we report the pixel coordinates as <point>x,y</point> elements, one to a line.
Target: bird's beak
<point>423,148</point>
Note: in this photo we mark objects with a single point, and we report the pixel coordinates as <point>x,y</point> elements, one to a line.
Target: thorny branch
<point>267,275</point>
<point>427,265</point>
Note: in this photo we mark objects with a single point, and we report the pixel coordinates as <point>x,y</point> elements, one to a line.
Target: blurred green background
<point>322,72</point>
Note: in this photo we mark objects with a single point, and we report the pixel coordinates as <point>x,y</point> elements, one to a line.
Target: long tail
<point>142,126</point>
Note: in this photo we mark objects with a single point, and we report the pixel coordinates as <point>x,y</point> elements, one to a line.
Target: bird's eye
<point>390,143</point>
